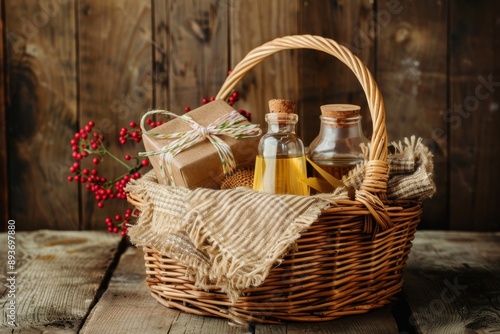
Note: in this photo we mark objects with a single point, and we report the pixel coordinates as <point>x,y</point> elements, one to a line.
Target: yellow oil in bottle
<point>281,175</point>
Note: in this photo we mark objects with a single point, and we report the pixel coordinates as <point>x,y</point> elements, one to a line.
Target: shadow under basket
<point>338,269</point>
<point>349,261</point>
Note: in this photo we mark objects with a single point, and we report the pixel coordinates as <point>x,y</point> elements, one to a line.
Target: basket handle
<point>376,169</point>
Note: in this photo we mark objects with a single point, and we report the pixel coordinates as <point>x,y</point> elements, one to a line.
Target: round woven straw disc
<point>240,178</point>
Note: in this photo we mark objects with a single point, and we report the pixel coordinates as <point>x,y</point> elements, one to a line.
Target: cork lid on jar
<point>281,106</point>
<point>340,110</point>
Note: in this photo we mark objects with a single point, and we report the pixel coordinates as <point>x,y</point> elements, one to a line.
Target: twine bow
<point>225,125</point>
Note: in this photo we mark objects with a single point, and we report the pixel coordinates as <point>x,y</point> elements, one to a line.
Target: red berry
<point>94,172</point>
<point>231,99</point>
<point>86,171</point>
<point>91,123</point>
<point>85,154</point>
<point>187,109</point>
<point>95,161</point>
<point>133,124</point>
<point>73,142</point>
<point>137,139</point>
<point>204,101</point>
<point>77,135</point>
<point>110,229</point>
<point>229,72</point>
<point>70,178</point>
<point>235,95</point>
<point>128,157</point>
<point>96,135</point>
<point>148,121</point>
<point>118,217</point>
<point>87,128</point>
<point>115,229</point>
<point>84,136</point>
<point>124,233</point>
<point>100,205</point>
<point>145,162</point>
<point>159,123</point>
<point>212,98</point>
<point>76,178</point>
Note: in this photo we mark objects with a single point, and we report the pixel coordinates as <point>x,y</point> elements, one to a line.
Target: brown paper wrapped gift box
<point>200,165</point>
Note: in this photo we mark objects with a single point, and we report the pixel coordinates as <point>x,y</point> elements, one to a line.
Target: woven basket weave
<point>348,262</point>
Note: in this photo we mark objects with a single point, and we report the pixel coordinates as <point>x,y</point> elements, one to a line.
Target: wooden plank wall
<point>66,62</point>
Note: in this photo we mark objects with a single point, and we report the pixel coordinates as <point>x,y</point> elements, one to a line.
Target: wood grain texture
<point>452,282</point>
<point>378,321</point>
<point>198,38</point>
<point>115,76</point>
<point>474,117</point>
<point>252,24</point>
<point>41,108</point>
<point>161,54</point>
<point>58,276</point>
<point>190,323</point>
<point>127,306</point>
<point>412,76</point>
<point>324,79</point>
<point>4,185</point>
<point>49,329</point>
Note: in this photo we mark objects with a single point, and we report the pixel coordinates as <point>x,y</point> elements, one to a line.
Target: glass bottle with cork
<point>337,148</point>
<point>280,166</point>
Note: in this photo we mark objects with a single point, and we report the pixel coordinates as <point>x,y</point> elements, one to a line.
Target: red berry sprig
<point>84,144</point>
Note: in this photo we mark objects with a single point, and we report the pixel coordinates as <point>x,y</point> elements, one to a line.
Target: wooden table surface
<point>91,282</point>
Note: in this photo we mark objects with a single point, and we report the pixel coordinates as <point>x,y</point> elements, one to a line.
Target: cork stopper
<point>281,106</point>
<point>340,110</point>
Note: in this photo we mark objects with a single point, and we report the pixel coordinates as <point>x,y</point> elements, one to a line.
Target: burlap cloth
<point>232,238</point>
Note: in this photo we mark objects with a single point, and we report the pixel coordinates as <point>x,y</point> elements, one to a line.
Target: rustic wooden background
<point>68,61</point>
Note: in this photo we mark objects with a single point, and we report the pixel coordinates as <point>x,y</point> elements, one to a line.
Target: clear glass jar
<point>337,148</point>
<point>280,166</point>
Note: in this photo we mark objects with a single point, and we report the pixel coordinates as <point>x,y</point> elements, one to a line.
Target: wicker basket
<point>349,261</point>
